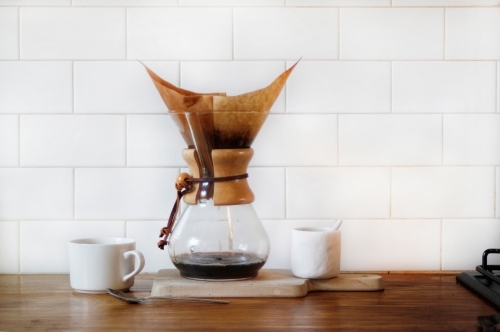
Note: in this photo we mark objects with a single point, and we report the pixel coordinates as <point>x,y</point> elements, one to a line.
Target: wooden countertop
<point>410,302</point>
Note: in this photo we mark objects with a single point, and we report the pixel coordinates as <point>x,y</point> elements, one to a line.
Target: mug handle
<point>139,257</point>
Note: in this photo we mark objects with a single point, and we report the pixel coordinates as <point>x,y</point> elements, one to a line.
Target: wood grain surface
<point>409,302</point>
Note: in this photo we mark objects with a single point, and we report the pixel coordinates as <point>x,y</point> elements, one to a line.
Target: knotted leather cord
<point>183,187</point>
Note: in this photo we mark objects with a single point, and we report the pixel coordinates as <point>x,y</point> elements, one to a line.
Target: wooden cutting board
<point>269,283</point>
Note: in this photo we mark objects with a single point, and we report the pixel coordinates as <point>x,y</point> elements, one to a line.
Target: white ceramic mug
<point>96,264</point>
<point>315,252</point>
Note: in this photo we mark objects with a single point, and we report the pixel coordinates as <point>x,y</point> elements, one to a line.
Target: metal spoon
<point>132,299</point>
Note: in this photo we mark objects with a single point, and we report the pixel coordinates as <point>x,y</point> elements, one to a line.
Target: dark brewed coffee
<point>219,265</point>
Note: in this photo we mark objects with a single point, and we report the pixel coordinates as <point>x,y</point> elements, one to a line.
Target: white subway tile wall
<point>36,193</point>
<point>338,192</point>
<point>443,192</point>
<point>464,240</point>
<point>9,38</point>
<point>49,254</point>
<point>72,33</point>
<point>471,139</point>
<point>391,33</point>
<point>9,140</point>
<point>119,86</point>
<point>476,40</point>
<point>36,87</point>
<point>497,191</point>
<point>443,86</point>
<point>179,33</point>
<point>360,87</point>
<point>9,247</point>
<point>153,140</point>
<point>285,33</point>
<point>73,140</point>
<point>390,121</point>
<point>124,193</point>
<point>390,140</point>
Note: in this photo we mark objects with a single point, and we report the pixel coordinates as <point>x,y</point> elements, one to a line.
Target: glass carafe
<point>219,242</point>
<point>219,235</point>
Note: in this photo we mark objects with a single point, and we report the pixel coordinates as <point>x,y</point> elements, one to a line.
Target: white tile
<point>442,3</point>
<point>35,2</point>
<point>471,139</point>
<point>339,87</point>
<point>124,193</point>
<point>444,87</point>
<point>9,247</point>
<point>56,235</point>
<point>232,77</point>
<point>472,33</point>
<point>125,3</point>
<point>338,192</point>
<point>179,33</point>
<point>232,3</point>
<point>340,3</point>
<point>9,140</point>
<point>31,193</point>
<point>121,86</point>
<point>367,245</point>
<point>268,185</point>
<point>145,233</point>
<point>442,192</point>
<point>73,140</point>
<point>390,140</point>
<point>280,236</point>
<point>297,140</point>
<point>154,140</point>
<point>464,241</point>
<point>391,245</point>
<point>73,33</point>
<point>391,33</point>
<point>497,192</point>
<point>285,33</point>
<point>35,87</point>
<point>9,38</point>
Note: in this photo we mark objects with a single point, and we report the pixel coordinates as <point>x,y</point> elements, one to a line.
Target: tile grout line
<point>19,246</point>
<point>126,33</point>
<point>338,140</point>
<point>390,192</point>
<point>442,139</point>
<point>338,33</point>
<point>441,244</point>
<point>495,171</point>
<point>74,193</point>
<point>73,86</point>
<point>285,91</point>
<point>497,92</point>
<point>232,31</point>
<point>391,86</point>
<point>126,141</point>
<point>19,140</point>
<point>285,189</point>
<point>444,33</point>
<point>19,33</point>
<point>179,69</point>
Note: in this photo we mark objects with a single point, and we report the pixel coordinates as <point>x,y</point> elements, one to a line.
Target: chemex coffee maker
<point>218,236</point>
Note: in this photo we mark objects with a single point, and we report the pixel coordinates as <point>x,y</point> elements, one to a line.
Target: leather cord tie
<point>183,186</point>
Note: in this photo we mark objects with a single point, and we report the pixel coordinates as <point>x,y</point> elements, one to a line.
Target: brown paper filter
<point>214,121</point>
<point>222,121</point>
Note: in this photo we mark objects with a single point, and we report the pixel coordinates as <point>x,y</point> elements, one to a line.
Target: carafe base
<point>222,266</point>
